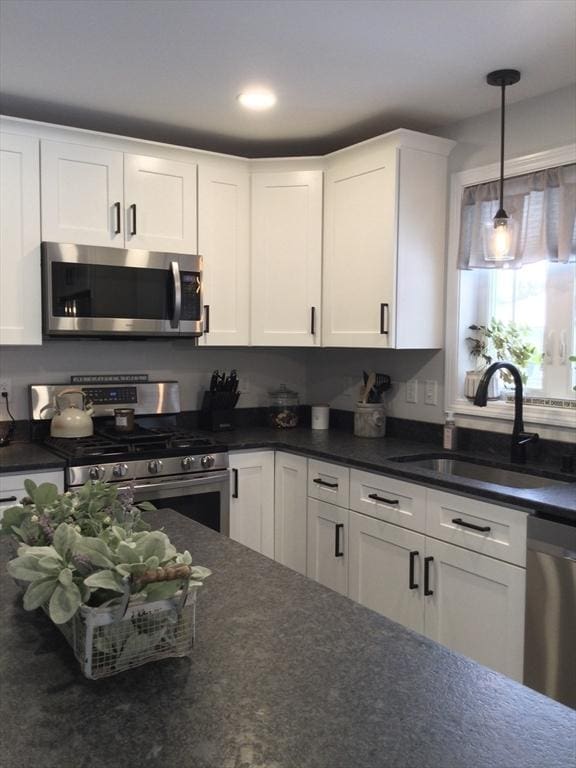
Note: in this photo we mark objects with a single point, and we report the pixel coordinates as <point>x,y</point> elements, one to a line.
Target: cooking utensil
<point>368,387</point>
<point>71,421</point>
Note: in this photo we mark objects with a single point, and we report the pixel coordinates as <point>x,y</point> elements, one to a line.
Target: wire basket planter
<point>108,640</point>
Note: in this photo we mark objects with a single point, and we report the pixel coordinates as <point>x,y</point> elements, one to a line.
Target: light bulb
<point>500,239</point>
<point>257,99</point>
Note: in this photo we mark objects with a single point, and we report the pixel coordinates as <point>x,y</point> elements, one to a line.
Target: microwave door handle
<point>175,269</point>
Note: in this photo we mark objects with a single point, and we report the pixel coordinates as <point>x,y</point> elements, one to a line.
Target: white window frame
<point>496,415</point>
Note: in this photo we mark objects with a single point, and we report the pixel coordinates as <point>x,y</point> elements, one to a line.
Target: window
<point>536,290</point>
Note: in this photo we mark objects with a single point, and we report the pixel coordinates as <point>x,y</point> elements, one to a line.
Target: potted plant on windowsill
<point>497,341</point>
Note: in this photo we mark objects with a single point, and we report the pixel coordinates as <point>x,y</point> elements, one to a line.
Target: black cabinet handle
<point>206,318</point>
<point>382,499</point>
<point>235,488</point>
<point>411,583</point>
<point>464,524</point>
<point>8,498</point>
<point>318,481</point>
<point>313,321</point>
<point>133,216</point>
<point>339,527</point>
<point>384,319</point>
<point>118,213</point>
<point>427,590</point>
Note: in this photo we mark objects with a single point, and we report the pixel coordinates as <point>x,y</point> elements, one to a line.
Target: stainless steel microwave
<point>96,291</point>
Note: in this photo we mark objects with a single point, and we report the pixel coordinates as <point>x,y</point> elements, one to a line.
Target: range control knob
<point>188,462</point>
<point>154,466</point>
<point>96,473</point>
<point>207,461</point>
<point>120,470</point>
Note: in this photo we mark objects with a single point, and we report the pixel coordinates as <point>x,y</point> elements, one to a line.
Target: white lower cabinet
<point>476,607</point>
<point>328,545</point>
<point>252,500</point>
<point>291,473</point>
<point>12,485</point>
<point>386,570</point>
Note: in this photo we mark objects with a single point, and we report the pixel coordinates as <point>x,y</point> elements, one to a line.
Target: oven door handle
<point>175,270</point>
<point>198,481</point>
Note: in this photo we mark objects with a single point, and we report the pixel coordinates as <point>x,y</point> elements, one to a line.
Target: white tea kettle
<point>71,421</point>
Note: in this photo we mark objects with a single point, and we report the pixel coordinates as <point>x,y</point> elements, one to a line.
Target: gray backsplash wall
<point>334,377</point>
<point>259,369</point>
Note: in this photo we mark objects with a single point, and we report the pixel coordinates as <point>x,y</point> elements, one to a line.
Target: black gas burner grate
<point>78,447</point>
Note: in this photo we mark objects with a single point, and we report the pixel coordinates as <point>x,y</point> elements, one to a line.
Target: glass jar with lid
<point>283,408</point>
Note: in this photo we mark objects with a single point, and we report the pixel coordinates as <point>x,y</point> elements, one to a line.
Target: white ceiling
<point>343,70</point>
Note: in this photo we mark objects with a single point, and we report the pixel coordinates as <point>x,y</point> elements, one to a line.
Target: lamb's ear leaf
<point>39,593</point>
<point>64,603</point>
<point>30,486</point>
<point>64,539</point>
<point>105,580</point>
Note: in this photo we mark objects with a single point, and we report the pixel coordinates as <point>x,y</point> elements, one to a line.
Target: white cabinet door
<point>328,545</point>
<point>477,606</point>
<point>20,286</point>
<point>286,258</point>
<point>252,500</point>
<point>223,241</point>
<point>82,194</point>
<point>385,570</point>
<point>290,510</point>
<point>160,200</point>
<point>360,253</point>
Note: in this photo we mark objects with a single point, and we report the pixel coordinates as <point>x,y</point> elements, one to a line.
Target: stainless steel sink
<point>509,478</point>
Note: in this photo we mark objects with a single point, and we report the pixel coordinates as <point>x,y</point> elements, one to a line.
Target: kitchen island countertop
<point>285,674</point>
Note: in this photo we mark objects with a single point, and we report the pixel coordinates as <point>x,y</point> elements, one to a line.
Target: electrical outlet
<point>6,386</point>
<point>431,392</point>
<point>412,391</point>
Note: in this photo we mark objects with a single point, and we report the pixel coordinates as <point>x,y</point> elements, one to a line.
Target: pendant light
<point>500,234</point>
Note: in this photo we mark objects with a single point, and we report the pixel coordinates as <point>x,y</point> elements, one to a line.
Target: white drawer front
<point>329,482</point>
<point>450,518</point>
<point>388,499</point>
<point>12,484</point>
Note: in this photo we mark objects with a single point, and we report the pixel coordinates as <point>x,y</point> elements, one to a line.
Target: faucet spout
<point>520,438</point>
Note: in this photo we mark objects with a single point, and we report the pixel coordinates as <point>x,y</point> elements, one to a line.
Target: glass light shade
<point>257,99</point>
<point>500,239</point>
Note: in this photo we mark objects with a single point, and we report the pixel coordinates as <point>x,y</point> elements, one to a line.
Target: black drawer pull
<point>427,590</point>
<point>318,481</point>
<point>117,210</point>
<point>411,583</point>
<point>384,319</point>
<point>313,321</point>
<point>8,498</point>
<point>337,552</point>
<point>464,524</point>
<point>206,318</point>
<point>382,499</point>
<point>235,489</point>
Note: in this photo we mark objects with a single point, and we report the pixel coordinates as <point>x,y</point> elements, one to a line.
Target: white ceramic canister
<point>320,417</point>
<point>369,420</point>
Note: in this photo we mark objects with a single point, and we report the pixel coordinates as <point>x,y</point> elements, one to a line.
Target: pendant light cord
<point>502,124</point>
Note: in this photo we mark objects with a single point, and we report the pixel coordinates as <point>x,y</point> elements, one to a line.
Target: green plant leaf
<point>105,580</point>
<point>50,564</point>
<point>25,569</point>
<point>162,589</point>
<point>65,577</point>
<point>30,487</point>
<point>39,593</point>
<point>146,506</point>
<point>44,495</point>
<point>200,572</point>
<point>126,552</point>
<point>96,550</point>
<point>64,538</point>
<point>64,603</point>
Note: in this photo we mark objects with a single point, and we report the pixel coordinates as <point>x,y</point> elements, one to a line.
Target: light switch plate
<point>412,391</point>
<point>431,392</point>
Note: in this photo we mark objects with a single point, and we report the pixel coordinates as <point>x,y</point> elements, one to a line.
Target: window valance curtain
<point>543,204</point>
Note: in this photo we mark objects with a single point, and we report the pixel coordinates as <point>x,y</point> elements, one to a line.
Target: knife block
<point>217,414</point>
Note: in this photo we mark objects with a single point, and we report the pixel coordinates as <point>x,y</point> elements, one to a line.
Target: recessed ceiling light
<point>257,99</point>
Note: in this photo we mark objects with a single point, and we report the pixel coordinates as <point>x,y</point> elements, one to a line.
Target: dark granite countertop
<point>25,456</point>
<point>285,674</point>
<point>374,455</point>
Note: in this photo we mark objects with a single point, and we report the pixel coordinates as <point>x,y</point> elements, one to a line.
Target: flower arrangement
<point>86,548</point>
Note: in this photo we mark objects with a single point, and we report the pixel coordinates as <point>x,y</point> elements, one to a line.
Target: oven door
<point>204,497</point>
<point>93,291</point>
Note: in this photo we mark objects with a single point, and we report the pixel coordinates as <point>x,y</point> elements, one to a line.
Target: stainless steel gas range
<point>157,461</point>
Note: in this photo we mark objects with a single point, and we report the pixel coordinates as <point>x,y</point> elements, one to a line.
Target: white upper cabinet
<point>82,194</point>
<point>286,258</point>
<point>20,294</point>
<point>223,241</point>
<point>160,201</point>
<point>384,243</point>
<point>96,196</point>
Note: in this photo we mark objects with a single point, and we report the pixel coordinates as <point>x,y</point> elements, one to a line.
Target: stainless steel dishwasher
<point>550,628</point>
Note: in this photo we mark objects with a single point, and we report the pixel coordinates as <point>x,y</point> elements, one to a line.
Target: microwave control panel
<point>190,282</point>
